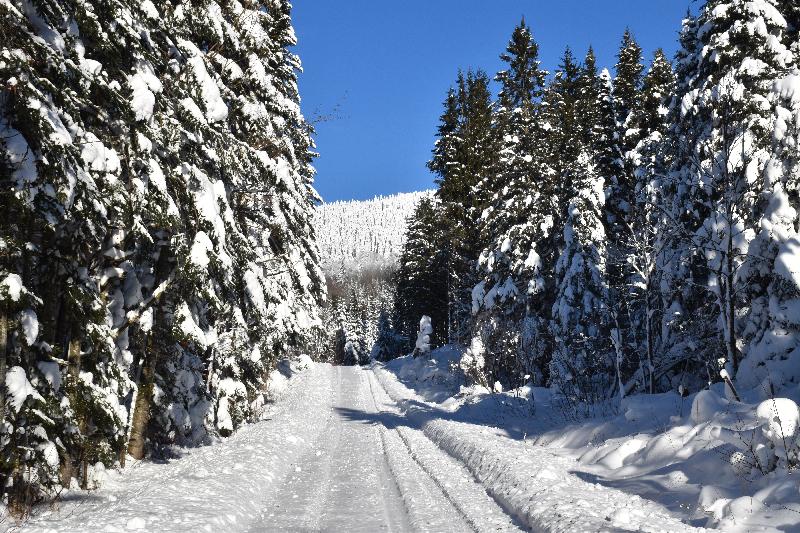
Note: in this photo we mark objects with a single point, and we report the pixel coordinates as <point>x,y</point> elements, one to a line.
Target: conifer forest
<point>591,322</point>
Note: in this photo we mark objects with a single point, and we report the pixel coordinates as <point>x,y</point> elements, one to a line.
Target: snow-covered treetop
<point>364,234</point>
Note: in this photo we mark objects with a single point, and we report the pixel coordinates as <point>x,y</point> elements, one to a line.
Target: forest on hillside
<point>360,244</point>
<point>609,235</point>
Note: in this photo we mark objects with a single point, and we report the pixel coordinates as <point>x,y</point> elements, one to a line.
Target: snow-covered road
<point>364,472</point>
<point>352,449</point>
<point>335,454</point>
<point>344,481</point>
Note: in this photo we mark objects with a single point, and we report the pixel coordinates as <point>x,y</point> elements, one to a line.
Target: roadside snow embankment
<point>533,483</point>
<point>654,463</point>
<point>220,487</point>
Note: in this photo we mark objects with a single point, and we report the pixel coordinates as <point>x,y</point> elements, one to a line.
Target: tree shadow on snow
<point>417,414</point>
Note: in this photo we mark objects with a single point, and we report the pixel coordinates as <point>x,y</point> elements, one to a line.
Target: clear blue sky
<point>382,68</point>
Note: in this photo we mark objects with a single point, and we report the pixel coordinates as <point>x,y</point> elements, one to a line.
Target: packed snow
<point>406,446</point>
<point>333,453</point>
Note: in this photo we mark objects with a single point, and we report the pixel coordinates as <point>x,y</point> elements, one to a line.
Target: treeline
<point>156,250</point>
<point>360,243</point>
<point>356,316</point>
<point>610,235</point>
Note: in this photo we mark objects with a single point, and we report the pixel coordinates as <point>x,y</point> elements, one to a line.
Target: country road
<point>352,449</point>
<point>360,475</point>
<point>335,454</point>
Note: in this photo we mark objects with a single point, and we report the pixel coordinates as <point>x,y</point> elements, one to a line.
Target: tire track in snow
<point>532,483</point>
<point>342,483</point>
<point>478,510</point>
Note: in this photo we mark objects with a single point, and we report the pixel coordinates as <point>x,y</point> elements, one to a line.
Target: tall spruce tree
<point>465,160</point>
<point>581,364</point>
<point>510,224</point>
<point>641,287</point>
<point>626,102</point>
<point>422,277</point>
<point>597,119</point>
<point>160,181</point>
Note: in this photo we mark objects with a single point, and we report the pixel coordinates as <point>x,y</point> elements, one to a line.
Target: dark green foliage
<point>422,277</point>
<point>603,197</point>
<point>511,275</point>
<point>465,159</point>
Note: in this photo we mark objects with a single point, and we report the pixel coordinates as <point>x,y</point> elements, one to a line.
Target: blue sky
<point>380,70</point>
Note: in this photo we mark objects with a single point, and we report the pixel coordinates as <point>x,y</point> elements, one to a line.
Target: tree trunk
<point>156,340</point>
<point>731,325</point>
<point>3,360</point>
<point>648,321</point>
<point>144,400</point>
<point>73,377</point>
<point>733,355</point>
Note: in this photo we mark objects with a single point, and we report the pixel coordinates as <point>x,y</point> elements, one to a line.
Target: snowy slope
<point>366,233</point>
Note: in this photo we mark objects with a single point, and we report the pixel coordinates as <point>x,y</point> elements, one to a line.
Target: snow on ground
<point>369,471</point>
<point>333,454</point>
<point>220,487</point>
<point>405,447</point>
<point>653,463</point>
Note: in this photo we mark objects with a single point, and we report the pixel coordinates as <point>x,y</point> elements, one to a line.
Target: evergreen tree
<point>597,119</point>
<point>161,201</point>
<point>581,363</point>
<point>627,86</point>
<point>422,276</point>
<point>727,182</point>
<point>465,177</point>
<point>641,289</point>
<point>560,115</point>
<point>626,102</point>
<point>388,344</point>
<point>509,223</point>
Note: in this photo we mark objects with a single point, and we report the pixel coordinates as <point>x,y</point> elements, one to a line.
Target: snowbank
<point>220,487</point>
<point>663,463</point>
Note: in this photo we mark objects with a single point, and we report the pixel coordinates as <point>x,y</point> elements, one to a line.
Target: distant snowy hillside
<point>367,233</point>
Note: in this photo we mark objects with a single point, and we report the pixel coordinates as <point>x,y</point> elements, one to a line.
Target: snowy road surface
<point>333,456</point>
<point>360,475</point>
<point>344,481</point>
<point>351,449</point>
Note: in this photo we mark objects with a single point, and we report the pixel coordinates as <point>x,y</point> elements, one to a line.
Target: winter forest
<point>591,324</point>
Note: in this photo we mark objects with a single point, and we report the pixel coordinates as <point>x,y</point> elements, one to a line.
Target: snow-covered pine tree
<point>560,114</point>
<point>597,120</point>
<point>513,222</point>
<point>464,177</point>
<point>626,95</point>
<point>145,167</point>
<point>67,159</point>
<point>770,348</point>
<point>388,343</point>
<point>627,89</point>
<point>641,288</point>
<point>582,364</point>
<point>250,254</point>
<point>726,180</point>
<point>618,170</point>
